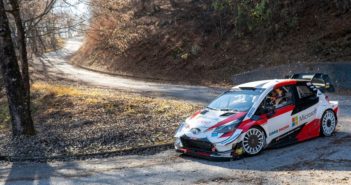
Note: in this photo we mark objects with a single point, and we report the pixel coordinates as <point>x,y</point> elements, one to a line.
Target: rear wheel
<point>254,141</point>
<point>328,123</point>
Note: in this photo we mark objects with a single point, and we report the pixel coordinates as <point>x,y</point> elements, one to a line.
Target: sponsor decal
<point>205,122</point>
<point>295,121</point>
<point>279,130</point>
<point>303,117</point>
<point>283,128</point>
<point>274,132</point>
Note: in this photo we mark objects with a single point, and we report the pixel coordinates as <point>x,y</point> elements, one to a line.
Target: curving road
<point>54,66</point>
<point>319,161</point>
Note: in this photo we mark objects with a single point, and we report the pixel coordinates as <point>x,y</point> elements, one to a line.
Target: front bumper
<point>209,150</point>
<point>206,155</point>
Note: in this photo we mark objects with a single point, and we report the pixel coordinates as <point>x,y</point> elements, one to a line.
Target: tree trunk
<point>22,123</point>
<point>22,46</point>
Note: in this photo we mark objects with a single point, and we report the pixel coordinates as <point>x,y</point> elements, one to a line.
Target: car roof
<point>265,84</point>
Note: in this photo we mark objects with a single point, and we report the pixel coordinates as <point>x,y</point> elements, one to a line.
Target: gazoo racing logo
<point>298,119</point>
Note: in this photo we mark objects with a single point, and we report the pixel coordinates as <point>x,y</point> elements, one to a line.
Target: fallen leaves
<point>77,120</point>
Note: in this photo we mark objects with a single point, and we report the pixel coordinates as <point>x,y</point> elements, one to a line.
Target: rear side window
<point>304,91</point>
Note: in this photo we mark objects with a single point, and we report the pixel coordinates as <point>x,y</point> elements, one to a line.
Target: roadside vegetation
<point>29,28</point>
<point>72,120</point>
<point>208,41</point>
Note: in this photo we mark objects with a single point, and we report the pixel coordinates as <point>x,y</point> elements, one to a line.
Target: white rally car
<point>256,115</point>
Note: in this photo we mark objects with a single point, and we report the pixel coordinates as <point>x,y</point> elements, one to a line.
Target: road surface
<point>54,66</point>
<point>318,161</point>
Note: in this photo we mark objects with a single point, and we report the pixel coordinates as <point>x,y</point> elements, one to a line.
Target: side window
<point>303,91</point>
<point>278,98</point>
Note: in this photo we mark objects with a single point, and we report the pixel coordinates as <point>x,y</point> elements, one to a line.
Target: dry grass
<point>125,103</point>
<point>79,120</point>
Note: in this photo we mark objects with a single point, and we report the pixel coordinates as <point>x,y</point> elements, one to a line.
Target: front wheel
<point>254,141</point>
<point>328,123</point>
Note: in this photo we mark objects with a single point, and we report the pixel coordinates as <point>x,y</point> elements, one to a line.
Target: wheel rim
<point>253,141</point>
<point>328,123</point>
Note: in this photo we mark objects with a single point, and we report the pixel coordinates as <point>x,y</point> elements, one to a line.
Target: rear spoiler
<point>319,80</point>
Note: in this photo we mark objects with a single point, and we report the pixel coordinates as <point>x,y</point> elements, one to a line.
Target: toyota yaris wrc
<point>253,116</point>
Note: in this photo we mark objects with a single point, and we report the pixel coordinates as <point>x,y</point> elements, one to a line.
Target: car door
<point>279,123</point>
<point>305,110</point>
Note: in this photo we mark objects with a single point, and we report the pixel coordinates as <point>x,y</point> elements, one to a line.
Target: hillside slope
<point>203,43</point>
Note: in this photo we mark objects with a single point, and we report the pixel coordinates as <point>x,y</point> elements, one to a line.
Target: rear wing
<point>319,80</point>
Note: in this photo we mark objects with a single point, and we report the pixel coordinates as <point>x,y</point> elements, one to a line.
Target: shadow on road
<point>29,176</point>
<point>318,154</point>
<point>20,175</point>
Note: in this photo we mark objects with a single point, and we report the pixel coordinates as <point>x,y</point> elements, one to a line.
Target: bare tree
<point>22,47</point>
<point>22,123</point>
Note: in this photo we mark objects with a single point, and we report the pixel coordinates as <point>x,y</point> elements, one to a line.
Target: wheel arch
<point>258,127</point>
<point>257,124</point>
<point>320,122</point>
<point>335,114</point>
<point>261,128</point>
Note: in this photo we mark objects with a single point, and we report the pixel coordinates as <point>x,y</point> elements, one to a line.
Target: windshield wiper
<point>230,110</point>
<point>211,108</point>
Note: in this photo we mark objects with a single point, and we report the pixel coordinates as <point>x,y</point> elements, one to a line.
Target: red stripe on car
<point>336,110</point>
<point>229,119</point>
<point>247,124</point>
<point>283,110</point>
<point>285,83</point>
<point>228,134</point>
<point>279,112</point>
<point>309,131</point>
<point>195,114</point>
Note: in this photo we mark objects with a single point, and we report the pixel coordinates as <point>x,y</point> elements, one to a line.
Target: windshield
<point>236,100</point>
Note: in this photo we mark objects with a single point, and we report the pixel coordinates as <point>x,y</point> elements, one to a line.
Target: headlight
<point>226,128</point>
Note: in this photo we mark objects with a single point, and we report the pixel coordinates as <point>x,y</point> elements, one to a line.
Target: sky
<point>78,8</point>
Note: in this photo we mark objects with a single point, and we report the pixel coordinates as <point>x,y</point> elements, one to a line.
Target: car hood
<point>205,121</point>
<point>212,118</point>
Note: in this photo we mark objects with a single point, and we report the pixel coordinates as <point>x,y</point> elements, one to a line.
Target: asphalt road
<point>54,66</point>
<point>318,161</point>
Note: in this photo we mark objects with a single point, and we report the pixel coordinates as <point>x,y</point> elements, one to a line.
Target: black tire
<point>328,123</point>
<point>254,141</point>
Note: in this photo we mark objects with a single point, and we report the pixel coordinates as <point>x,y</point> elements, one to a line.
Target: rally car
<point>253,116</point>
